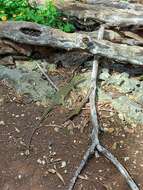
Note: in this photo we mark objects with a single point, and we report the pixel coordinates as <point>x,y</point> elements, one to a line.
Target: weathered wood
<point>34,34</point>
<point>117,4</point>
<point>112,15</point>
<point>40,35</point>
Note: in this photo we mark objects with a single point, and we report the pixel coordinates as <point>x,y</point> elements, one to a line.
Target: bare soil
<point>56,150</point>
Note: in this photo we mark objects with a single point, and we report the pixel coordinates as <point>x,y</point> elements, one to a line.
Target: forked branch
<point>95,145</point>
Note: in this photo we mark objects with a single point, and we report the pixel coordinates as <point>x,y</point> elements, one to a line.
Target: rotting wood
<point>55,38</point>
<point>99,13</point>
<point>116,3</point>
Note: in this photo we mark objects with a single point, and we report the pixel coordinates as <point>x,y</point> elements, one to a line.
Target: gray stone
<point>129,85</point>
<point>29,83</point>
<point>104,75</point>
<point>118,79</point>
<point>104,97</point>
<point>130,110</point>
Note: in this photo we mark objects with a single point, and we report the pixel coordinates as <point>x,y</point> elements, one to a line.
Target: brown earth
<point>58,149</point>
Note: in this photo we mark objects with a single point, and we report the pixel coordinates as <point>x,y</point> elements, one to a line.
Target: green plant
<point>20,10</point>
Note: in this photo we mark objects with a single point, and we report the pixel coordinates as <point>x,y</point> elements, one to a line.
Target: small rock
<point>2,123</point>
<point>39,161</point>
<point>19,176</point>
<point>63,165</point>
<point>38,118</point>
<point>22,153</point>
<point>65,171</point>
<point>42,162</point>
<point>126,159</point>
<point>27,152</point>
<point>56,129</point>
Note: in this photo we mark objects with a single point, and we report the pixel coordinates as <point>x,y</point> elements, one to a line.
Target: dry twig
<point>47,77</point>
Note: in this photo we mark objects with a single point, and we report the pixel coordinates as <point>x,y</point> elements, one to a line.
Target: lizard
<point>57,99</point>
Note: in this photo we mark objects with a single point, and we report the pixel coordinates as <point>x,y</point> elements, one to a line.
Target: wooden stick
<point>47,77</point>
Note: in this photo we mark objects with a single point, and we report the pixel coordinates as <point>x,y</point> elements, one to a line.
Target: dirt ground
<point>56,150</point>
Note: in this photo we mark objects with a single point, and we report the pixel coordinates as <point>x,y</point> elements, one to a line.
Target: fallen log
<point>39,35</point>
<point>117,4</point>
<point>115,14</point>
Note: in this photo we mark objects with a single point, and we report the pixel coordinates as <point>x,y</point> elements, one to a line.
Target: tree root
<point>95,145</point>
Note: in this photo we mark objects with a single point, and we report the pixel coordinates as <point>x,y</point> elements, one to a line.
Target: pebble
<point>27,152</point>
<point>19,176</point>
<point>50,148</point>
<point>56,129</point>
<point>65,171</point>
<point>38,118</point>
<point>53,153</point>
<point>105,125</point>
<point>136,152</point>
<point>63,165</point>
<point>21,153</point>
<point>2,123</point>
<point>126,159</point>
<point>100,178</point>
<point>42,162</point>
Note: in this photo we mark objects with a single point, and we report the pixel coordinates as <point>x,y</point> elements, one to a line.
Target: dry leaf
<point>60,177</point>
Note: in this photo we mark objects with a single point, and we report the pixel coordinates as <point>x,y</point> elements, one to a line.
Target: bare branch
<point>47,77</point>
<point>95,145</point>
<point>118,165</point>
